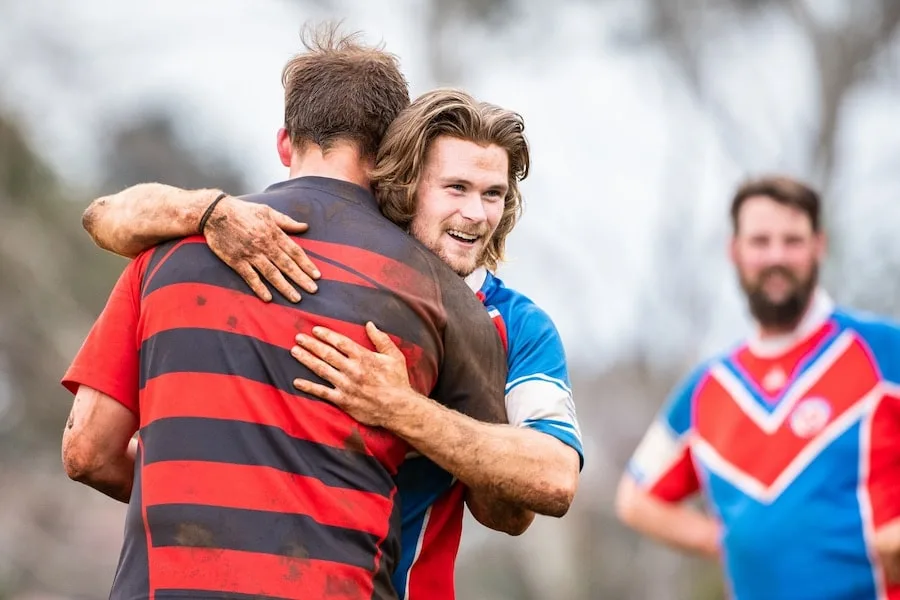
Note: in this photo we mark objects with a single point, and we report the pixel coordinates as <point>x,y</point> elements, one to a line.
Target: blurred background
<point>643,115</point>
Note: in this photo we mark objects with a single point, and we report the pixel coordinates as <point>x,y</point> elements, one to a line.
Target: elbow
<point>519,526</point>
<point>89,216</point>
<point>561,493</point>
<point>80,461</point>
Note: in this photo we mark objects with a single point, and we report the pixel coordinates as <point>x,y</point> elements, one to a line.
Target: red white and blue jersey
<point>795,444</point>
<point>538,395</point>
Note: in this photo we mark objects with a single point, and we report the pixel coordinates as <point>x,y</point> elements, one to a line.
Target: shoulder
<point>525,321</point>
<point>869,326</point>
<point>879,335</point>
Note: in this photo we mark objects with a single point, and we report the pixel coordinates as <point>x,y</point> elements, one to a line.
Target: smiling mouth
<point>461,236</point>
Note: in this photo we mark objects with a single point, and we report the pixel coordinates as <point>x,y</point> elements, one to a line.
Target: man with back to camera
<point>448,170</point>
<point>792,436</point>
<point>240,486</point>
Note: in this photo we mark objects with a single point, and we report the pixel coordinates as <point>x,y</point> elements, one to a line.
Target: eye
<point>457,187</point>
<point>494,195</point>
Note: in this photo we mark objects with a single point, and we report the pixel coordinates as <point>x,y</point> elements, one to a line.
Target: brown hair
<point>341,90</point>
<point>401,157</point>
<point>782,189</point>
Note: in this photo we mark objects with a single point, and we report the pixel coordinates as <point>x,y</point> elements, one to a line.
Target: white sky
<point>611,134</point>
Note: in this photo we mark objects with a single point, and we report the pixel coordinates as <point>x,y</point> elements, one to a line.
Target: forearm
<point>139,217</point>
<point>676,525</point>
<point>521,466</point>
<point>498,514</point>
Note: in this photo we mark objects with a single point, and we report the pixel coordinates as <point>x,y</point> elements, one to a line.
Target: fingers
<point>287,224</point>
<point>249,275</point>
<point>382,341</point>
<point>317,390</point>
<point>294,263</point>
<point>271,273</point>
<point>325,352</point>
<point>347,346</point>
<point>318,366</point>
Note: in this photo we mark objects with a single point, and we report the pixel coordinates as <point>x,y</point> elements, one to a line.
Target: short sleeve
<point>108,359</point>
<point>473,371</point>
<point>538,393</point>
<point>662,464</point>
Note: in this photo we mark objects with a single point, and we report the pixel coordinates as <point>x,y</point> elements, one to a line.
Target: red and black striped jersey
<point>244,487</point>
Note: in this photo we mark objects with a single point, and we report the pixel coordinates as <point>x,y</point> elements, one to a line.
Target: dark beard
<point>784,315</point>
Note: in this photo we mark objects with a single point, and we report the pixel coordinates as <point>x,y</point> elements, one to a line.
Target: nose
<point>472,208</point>
<point>777,252</point>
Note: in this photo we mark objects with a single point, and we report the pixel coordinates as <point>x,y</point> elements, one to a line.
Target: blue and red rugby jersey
<point>795,444</point>
<point>243,486</point>
<point>538,395</point>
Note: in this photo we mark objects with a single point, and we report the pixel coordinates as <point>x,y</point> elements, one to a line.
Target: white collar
<point>819,311</point>
<point>476,279</point>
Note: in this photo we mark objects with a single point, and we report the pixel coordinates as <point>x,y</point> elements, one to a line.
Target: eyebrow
<point>504,187</point>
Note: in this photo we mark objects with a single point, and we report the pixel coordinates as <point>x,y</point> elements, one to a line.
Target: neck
<point>343,161</point>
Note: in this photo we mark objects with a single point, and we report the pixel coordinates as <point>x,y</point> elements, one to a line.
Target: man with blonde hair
<point>240,486</point>
<point>448,172</point>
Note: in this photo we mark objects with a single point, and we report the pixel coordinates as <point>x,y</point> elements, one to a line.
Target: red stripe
<point>239,399</point>
<point>431,575</point>
<point>216,484</point>
<point>211,307</point>
<point>373,266</point>
<point>722,423</point>
<point>257,574</point>
<point>679,481</point>
<point>381,269</point>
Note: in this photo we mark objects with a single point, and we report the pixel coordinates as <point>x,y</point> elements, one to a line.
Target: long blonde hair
<point>451,112</point>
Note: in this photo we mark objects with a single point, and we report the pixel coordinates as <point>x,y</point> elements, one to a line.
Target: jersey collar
<point>820,310</point>
<point>476,279</point>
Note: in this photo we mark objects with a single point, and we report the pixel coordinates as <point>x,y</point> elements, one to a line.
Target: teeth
<point>462,235</point>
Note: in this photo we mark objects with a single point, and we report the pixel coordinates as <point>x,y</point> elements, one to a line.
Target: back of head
<point>448,112</point>
<point>341,90</point>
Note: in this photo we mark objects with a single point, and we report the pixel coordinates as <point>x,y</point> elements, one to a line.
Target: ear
<point>285,147</point>
<point>821,245</point>
<point>732,249</point>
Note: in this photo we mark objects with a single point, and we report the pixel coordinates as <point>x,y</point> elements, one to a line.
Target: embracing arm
<point>526,468</point>
<point>519,466</point>
<point>144,215</point>
<point>253,239</point>
<point>97,447</point>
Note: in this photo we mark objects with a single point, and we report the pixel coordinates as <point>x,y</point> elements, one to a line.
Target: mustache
<point>777,270</point>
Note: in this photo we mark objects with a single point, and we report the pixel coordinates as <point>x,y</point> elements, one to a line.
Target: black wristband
<point>209,210</point>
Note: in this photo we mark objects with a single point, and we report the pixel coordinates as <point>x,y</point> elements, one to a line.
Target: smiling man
<point>448,171</point>
<point>792,436</point>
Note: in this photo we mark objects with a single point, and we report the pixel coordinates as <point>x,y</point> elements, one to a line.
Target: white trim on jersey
<point>557,382</point>
<point>770,422</point>
<point>657,453</point>
<point>418,552</point>
<point>538,399</point>
<point>476,278</point>
<point>768,493</point>
<point>865,501</point>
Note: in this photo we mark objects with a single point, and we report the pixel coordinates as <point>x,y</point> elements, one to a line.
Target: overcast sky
<point>611,133</point>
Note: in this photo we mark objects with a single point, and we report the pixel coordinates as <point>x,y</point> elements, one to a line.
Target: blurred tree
<point>151,150</point>
<point>846,51</point>
<point>54,281</point>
